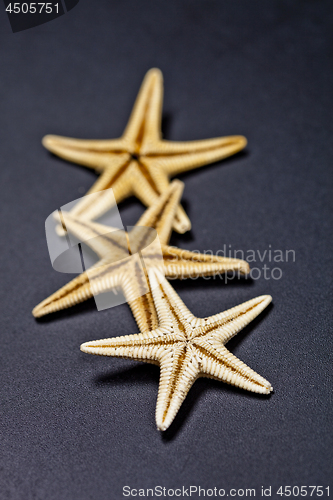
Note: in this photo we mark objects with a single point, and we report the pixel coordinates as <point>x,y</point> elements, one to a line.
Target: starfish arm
<point>181,223</point>
<point>161,214</point>
<point>99,154</point>
<point>148,101</point>
<point>106,241</point>
<point>185,269</point>
<point>143,346</point>
<point>76,291</point>
<point>159,179</point>
<point>149,311</point>
<point>101,277</point>
<point>178,163</point>
<point>218,362</point>
<point>169,306</point>
<point>143,187</point>
<point>179,369</point>
<point>131,278</point>
<point>144,312</point>
<point>169,148</point>
<point>134,282</point>
<point>153,118</point>
<point>147,354</point>
<point>228,323</point>
<point>180,263</point>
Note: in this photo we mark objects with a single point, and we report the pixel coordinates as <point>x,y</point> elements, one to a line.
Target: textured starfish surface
<point>186,348</point>
<point>115,270</point>
<point>140,162</point>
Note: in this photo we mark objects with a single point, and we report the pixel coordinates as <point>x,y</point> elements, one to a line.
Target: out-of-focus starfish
<point>186,348</point>
<point>115,270</point>
<point>140,162</point>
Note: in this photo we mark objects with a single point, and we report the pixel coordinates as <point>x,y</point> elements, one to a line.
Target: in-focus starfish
<point>186,348</point>
<point>140,162</point>
<point>115,270</point>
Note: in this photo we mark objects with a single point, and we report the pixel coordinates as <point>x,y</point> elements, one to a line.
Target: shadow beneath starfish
<point>177,240</point>
<point>140,373</point>
<point>166,125</point>
<point>86,307</point>
<point>72,164</point>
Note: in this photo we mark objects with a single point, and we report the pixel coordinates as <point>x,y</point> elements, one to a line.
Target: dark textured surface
<point>80,427</point>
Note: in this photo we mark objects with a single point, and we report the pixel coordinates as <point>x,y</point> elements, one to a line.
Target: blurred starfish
<point>187,347</point>
<point>140,162</point>
<point>116,270</point>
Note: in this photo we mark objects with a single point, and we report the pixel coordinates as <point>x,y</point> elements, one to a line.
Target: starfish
<point>186,348</point>
<point>140,162</point>
<point>116,269</point>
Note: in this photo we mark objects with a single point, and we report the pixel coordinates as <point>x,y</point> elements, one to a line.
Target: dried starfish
<point>124,273</point>
<point>140,162</point>
<point>186,348</point>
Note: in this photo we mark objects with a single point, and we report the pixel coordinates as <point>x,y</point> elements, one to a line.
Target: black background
<point>76,426</point>
<point>21,17</point>
<point>22,20</point>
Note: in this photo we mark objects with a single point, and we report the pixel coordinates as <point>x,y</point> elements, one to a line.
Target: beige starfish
<point>186,348</point>
<point>116,270</point>
<point>140,162</point>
